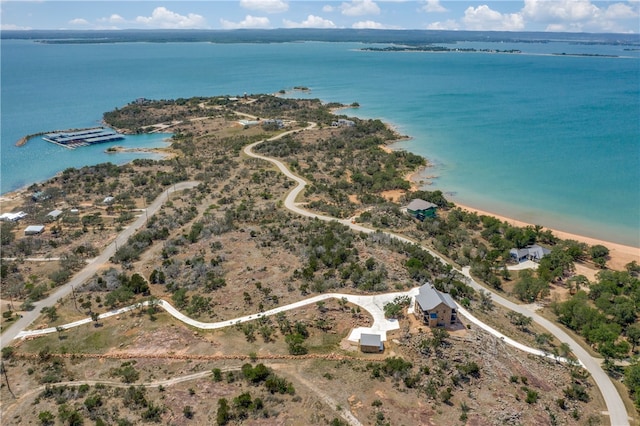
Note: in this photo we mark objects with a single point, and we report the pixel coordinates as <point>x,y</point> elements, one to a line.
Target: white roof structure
<point>12,217</point>
<point>54,213</point>
<point>33,229</point>
<point>534,252</point>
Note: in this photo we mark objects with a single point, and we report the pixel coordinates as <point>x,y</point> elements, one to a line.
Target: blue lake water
<point>548,139</point>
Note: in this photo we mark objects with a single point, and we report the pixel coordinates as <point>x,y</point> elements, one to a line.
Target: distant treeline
<point>432,48</point>
<point>408,37</point>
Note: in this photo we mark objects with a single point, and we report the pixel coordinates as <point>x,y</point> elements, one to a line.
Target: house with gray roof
<point>435,308</point>
<point>421,209</point>
<point>533,252</point>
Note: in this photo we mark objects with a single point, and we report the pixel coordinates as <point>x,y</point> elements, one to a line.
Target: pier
<point>74,138</point>
<point>84,137</point>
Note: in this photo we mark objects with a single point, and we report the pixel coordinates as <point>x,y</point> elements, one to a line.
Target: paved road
<point>617,411</point>
<point>91,269</point>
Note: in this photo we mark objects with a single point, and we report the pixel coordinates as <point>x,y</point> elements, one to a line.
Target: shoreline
<point>619,255</point>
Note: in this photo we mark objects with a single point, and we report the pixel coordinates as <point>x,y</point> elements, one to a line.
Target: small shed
<point>54,214</point>
<point>421,209</point>
<point>34,230</point>
<point>371,343</point>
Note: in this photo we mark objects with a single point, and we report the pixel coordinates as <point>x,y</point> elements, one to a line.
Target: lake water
<point>548,139</point>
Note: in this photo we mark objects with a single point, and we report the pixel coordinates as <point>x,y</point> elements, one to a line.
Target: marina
<point>84,137</point>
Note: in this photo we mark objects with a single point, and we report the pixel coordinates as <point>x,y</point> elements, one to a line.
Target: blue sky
<point>523,15</point>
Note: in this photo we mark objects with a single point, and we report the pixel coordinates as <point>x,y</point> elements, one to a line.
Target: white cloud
<point>360,7</point>
<point>582,15</point>
<point>113,19</point>
<point>620,11</point>
<point>268,6</point>
<point>328,8</point>
<point>433,6</point>
<point>161,17</point>
<point>248,22</point>
<point>484,18</point>
<point>13,27</point>
<point>564,10</point>
<point>449,24</point>
<point>311,22</point>
<point>79,21</point>
<point>368,25</point>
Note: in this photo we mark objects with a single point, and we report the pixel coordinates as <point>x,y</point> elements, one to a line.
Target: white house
<point>533,252</point>
<point>12,217</point>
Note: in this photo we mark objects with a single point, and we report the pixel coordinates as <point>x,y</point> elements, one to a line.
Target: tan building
<point>435,308</point>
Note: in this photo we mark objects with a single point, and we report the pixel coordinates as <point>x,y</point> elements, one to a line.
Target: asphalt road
<point>91,269</point>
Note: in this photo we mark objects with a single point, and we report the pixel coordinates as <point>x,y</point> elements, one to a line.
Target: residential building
<point>435,308</point>
<point>533,252</point>
<point>421,209</point>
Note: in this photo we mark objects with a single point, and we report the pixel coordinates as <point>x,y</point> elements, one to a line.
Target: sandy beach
<point>619,254</point>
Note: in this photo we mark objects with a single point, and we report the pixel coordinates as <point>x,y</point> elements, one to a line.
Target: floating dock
<point>85,137</point>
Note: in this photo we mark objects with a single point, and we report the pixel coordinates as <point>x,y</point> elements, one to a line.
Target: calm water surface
<point>545,138</point>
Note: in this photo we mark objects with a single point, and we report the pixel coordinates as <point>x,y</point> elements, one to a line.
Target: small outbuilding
<point>371,343</point>
<point>421,209</point>
<point>34,230</point>
<point>54,214</point>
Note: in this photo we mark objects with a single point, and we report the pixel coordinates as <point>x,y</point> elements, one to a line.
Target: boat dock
<point>85,137</point>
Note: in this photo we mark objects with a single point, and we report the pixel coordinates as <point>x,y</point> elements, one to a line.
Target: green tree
<point>519,320</point>
<point>528,287</point>
<point>633,335</point>
<point>46,418</point>
<point>223,414</point>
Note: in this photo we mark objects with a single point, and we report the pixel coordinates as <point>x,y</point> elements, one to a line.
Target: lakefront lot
<point>228,248</point>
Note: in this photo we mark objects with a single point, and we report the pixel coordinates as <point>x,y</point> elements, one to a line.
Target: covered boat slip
<point>74,139</point>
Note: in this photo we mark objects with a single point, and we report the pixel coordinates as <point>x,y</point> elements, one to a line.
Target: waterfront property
<point>435,308</point>
<point>421,209</point>
<point>342,122</point>
<point>533,252</point>
<point>371,343</point>
<point>85,137</point>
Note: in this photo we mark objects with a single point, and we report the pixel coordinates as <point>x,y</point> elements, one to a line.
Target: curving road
<point>616,410</point>
<point>91,269</point>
